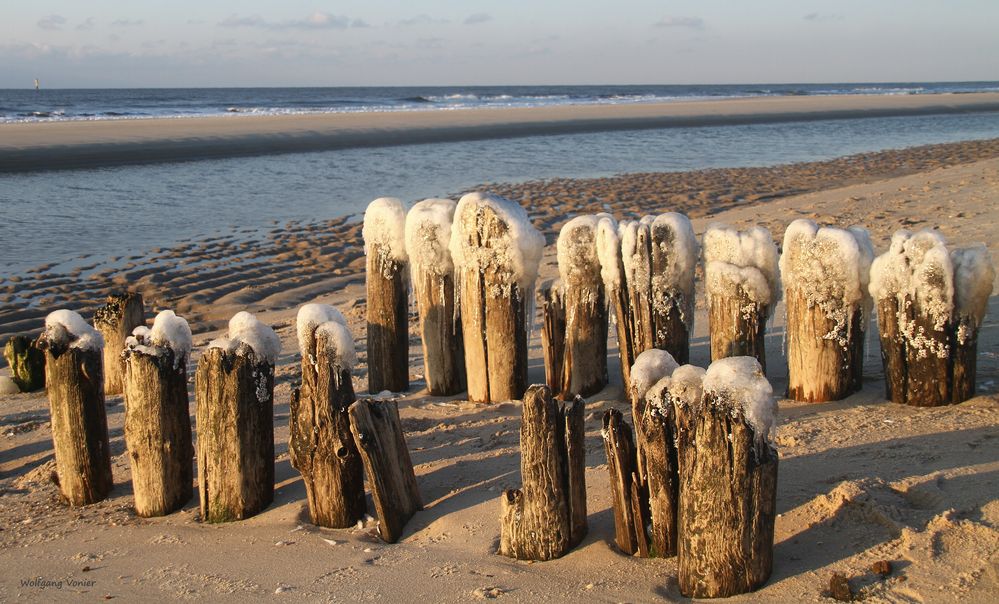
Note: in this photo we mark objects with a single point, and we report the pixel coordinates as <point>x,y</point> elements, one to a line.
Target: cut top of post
<point>737,385</point>
<point>744,260</point>
<point>384,233</point>
<point>428,235</point>
<point>244,328</point>
<point>66,329</point>
<point>169,332</point>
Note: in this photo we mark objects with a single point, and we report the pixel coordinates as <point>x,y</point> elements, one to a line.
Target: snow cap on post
<point>578,262</point>
<point>385,226</point>
<point>737,385</point>
<point>746,260</point>
<point>650,367</point>
<point>244,328</point>
<point>168,332</point>
<point>67,328</point>
<point>310,317</point>
<point>428,235</point>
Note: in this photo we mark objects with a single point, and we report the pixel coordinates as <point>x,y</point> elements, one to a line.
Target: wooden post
<point>547,516</point>
<point>158,425</point>
<point>428,235</point>
<point>728,484</point>
<point>742,288</point>
<point>378,434</point>
<point>585,361</point>
<point>74,382</point>
<point>553,334</point>
<point>496,252</point>
<point>636,253</point>
<point>234,388</point>
<point>26,362</point>
<point>616,291</point>
<point>121,314</point>
<point>386,279</point>
<point>626,490</point>
<point>321,445</point>
<point>673,262</point>
<point>930,303</point>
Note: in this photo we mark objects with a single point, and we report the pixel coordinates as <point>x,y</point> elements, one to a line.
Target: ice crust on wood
<point>739,383</point>
<point>744,260</point>
<point>609,251</point>
<point>649,368</point>
<point>385,227</point>
<point>519,249</point>
<point>578,262</point>
<point>309,318</point>
<point>974,274</point>
<point>683,386</point>
<point>673,284</point>
<point>168,332</point>
<point>67,328</point>
<point>428,236</point>
<point>244,328</point>
<point>830,267</point>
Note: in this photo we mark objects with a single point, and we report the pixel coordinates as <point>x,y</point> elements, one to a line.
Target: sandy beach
<point>860,480</point>
<point>81,144</point>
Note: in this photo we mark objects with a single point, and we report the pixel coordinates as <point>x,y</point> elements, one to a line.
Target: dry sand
<point>73,144</point>
<point>860,480</point>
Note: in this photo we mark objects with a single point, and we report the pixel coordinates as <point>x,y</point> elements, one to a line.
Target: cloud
<point>52,22</point>
<point>687,22</point>
<point>317,20</point>
<point>422,19</point>
<point>127,22</point>
<point>820,17</point>
<point>86,25</point>
<point>477,18</point>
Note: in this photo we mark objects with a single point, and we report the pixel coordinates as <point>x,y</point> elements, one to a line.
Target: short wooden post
<point>387,282</point>
<point>378,434</point>
<point>321,445</point>
<point>616,291</point>
<point>553,334</point>
<point>626,489</point>
<point>728,484</point>
<point>428,235</point>
<point>26,362</point>
<point>825,272</point>
<point>496,252</point>
<point>585,360</point>
<point>121,313</point>
<point>157,416</point>
<point>673,263</point>
<point>546,517</point>
<point>74,382</point>
<point>234,389</point>
<point>742,289</point>
<point>930,303</point>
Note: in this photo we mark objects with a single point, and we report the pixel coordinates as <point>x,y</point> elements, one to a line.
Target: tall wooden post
<point>496,252</point>
<point>157,416</point>
<point>428,235</point>
<point>322,447</point>
<point>387,285</point>
<point>553,334</point>
<point>585,361</point>
<point>728,484</point>
<point>616,291</point>
<point>636,254</point>
<point>742,288</point>
<point>546,517</point>
<point>674,252</point>
<point>122,313</point>
<point>74,382</point>
<point>26,362</point>
<point>234,388</point>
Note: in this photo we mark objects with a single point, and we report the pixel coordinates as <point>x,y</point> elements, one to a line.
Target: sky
<point>160,43</point>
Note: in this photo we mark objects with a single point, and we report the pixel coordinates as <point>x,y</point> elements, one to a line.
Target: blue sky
<point>103,43</point>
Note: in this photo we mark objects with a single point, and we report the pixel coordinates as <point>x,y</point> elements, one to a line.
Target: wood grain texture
<point>622,458</point>
<point>388,322</point>
<point>821,368</point>
<point>738,327</point>
<point>440,333</point>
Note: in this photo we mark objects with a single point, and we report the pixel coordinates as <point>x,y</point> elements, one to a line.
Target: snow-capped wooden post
<point>615,290</point>
<point>546,517</point>
<point>321,445</point>
<point>728,484</point>
<point>121,313</point>
<point>428,235</point>
<point>553,334</point>
<point>26,362</point>
<point>636,256</point>
<point>584,367</point>
<point>387,282</point>
<point>930,304</point>
<point>157,415</point>
<point>742,287</point>
<point>496,251</point>
<point>626,495</point>
<point>234,389</point>
<point>378,435</point>
<point>74,382</point>
<point>674,261</point>
<point>825,272</point>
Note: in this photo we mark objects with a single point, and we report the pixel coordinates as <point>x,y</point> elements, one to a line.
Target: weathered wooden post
<point>234,389</point>
<point>428,235</point>
<point>636,256</point>
<point>673,263</point>
<point>321,445</point>
<point>728,483</point>
<point>378,435</point>
<point>615,290</point>
<point>626,486</point>
<point>387,282</point>
<point>930,303</point>
<point>742,286</point>
<point>553,334</point>
<point>26,362</point>
<point>546,517</point>
<point>584,367</point>
<point>496,251</point>
<point>121,313</point>
<point>157,416</point>
<point>825,272</point>
<point>74,382</point>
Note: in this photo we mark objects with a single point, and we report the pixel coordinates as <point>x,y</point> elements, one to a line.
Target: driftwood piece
<point>74,382</point>
<point>821,368</point>
<point>388,322</point>
<point>321,445</point>
<point>738,327</point>
<point>378,434</point>
<point>158,431</point>
<point>553,335</point>
<point>626,488</point>
<point>121,314</point>
<point>546,517</point>
<point>235,424</point>
<point>26,362</point>
<point>440,331</point>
